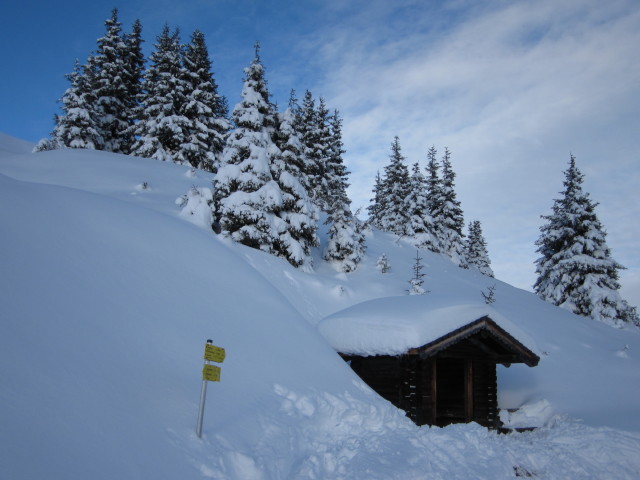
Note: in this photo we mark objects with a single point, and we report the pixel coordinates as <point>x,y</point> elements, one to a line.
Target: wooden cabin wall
<point>485,385</point>
<point>425,398</point>
<point>381,373</point>
<point>411,383</point>
<point>416,389</point>
<point>485,393</point>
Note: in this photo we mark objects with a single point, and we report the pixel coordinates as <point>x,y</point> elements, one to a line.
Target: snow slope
<point>108,296</point>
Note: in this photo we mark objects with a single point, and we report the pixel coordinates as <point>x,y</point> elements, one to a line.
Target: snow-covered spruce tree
<point>377,203</point>
<point>134,72</point>
<point>196,206</point>
<point>320,188</point>
<point>111,86</point>
<point>393,216</point>
<point>76,127</point>
<point>476,252</point>
<point>435,197</point>
<point>383,264</point>
<point>490,296</point>
<point>298,211</point>
<point>289,142</point>
<point>417,281</point>
<point>335,171</point>
<point>48,143</point>
<point>250,204</point>
<point>451,219</point>
<point>311,130</point>
<point>575,269</point>
<point>99,107</point>
<point>346,245</point>
<point>203,107</point>
<point>162,128</point>
<point>420,226</point>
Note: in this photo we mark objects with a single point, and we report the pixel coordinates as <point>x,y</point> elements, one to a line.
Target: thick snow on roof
<point>393,325</point>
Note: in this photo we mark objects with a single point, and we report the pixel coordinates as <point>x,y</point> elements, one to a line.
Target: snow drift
<point>108,295</point>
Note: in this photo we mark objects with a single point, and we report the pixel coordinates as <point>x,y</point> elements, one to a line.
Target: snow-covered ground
<point>109,294</point>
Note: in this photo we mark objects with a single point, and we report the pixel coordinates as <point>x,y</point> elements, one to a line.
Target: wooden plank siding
<point>382,373</point>
<point>454,382</point>
<point>468,388</point>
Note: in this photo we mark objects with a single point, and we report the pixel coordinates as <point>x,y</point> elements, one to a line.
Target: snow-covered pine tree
<point>311,136</point>
<point>162,129</point>
<point>335,172</point>
<point>346,244</point>
<point>417,281</point>
<point>287,138</point>
<point>575,270</point>
<point>289,142</point>
<point>451,220</point>
<point>435,197</point>
<point>251,206</point>
<point>102,96</point>
<point>383,264</point>
<point>134,72</point>
<point>476,252</point>
<point>420,226</point>
<point>298,211</point>
<point>110,86</point>
<point>204,107</point>
<point>321,171</point>
<point>377,203</point>
<point>48,143</point>
<point>393,216</point>
<point>76,127</point>
<point>490,296</point>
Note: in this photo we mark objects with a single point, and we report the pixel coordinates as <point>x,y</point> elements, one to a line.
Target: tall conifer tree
<point>259,202</point>
<point>476,252</point>
<point>203,107</point>
<point>321,177</point>
<point>111,87</point>
<point>451,219</point>
<point>102,94</point>
<point>376,205</point>
<point>575,270</point>
<point>393,216</point>
<point>134,73</point>
<point>420,226</point>
<point>298,211</point>
<point>162,128</point>
<point>346,244</point>
<point>311,138</point>
<point>336,173</point>
<point>435,197</point>
<point>77,128</point>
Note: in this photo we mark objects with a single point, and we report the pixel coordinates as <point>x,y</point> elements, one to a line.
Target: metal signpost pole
<point>210,373</point>
<point>203,396</point>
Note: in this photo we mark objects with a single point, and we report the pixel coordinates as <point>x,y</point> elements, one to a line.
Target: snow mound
<point>9,144</point>
<point>393,325</point>
<point>537,414</point>
<point>108,298</point>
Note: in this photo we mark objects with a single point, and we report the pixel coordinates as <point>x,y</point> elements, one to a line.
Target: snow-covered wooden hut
<point>435,362</point>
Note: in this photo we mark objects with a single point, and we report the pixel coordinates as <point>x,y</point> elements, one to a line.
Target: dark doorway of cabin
<point>451,391</point>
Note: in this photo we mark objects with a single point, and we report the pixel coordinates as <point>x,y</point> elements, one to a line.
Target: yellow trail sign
<point>213,353</point>
<point>211,373</point>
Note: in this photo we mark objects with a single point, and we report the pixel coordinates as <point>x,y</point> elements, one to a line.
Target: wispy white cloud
<point>511,88</point>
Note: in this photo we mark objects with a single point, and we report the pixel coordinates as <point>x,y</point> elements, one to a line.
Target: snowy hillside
<point>109,294</point>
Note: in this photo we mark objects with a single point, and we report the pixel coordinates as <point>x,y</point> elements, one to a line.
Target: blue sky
<point>510,87</point>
